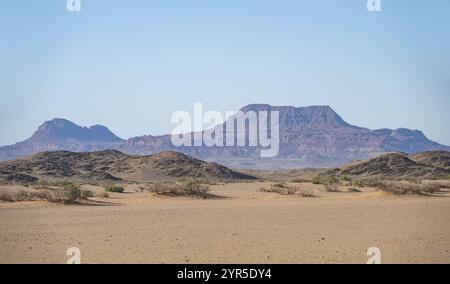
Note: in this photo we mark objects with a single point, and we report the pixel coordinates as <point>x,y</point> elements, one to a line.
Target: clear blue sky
<point>130,64</point>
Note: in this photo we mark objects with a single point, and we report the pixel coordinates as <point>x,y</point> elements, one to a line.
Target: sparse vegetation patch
<point>187,187</point>
<point>113,188</point>
<point>284,189</point>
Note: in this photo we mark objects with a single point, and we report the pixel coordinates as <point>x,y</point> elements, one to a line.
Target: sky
<point>130,64</point>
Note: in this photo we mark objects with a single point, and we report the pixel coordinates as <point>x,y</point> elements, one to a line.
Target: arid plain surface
<point>241,225</point>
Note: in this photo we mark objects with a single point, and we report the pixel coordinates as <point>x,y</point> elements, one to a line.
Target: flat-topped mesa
<point>295,118</point>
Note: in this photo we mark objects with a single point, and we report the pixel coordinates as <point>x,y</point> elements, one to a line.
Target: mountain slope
<point>397,165</point>
<point>440,159</point>
<point>114,165</point>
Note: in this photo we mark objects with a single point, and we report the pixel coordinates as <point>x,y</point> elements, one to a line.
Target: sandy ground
<point>242,225</point>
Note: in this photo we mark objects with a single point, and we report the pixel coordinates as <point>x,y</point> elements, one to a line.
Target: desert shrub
<point>332,184</point>
<point>357,183</point>
<point>300,180</point>
<point>66,192</point>
<point>292,190</point>
<point>188,187</point>
<point>316,180</point>
<point>65,195</point>
<point>24,196</point>
<point>102,194</point>
<point>71,190</point>
<point>283,189</point>
<point>402,187</point>
<point>42,195</point>
<point>372,183</point>
<point>333,187</point>
<point>431,188</point>
<point>86,194</point>
<point>113,188</point>
<point>6,196</point>
<point>440,184</point>
<point>280,188</point>
<point>346,178</point>
<point>196,188</point>
<point>307,193</point>
<point>332,179</point>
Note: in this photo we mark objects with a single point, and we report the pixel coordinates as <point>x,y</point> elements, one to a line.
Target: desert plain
<point>238,224</point>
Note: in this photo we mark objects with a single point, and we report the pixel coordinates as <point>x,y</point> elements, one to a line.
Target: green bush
<point>316,180</point>
<point>113,188</point>
<point>357,183</point>
<point>66,192</point>
<point>346,178</point>
<point>187,187</point>
<point>283,189</point>
<point>85,194</point>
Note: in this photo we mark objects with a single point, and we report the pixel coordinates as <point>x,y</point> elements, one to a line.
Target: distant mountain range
<point>313,136</point>
<point>61,134</point>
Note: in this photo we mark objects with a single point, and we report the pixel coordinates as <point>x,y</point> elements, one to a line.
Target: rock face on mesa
<point>314,136</point>
<point>113,165</point>
<point>62,135</point>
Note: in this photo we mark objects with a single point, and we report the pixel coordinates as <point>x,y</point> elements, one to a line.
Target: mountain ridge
<point>314,136</point>
<point>112,165</point>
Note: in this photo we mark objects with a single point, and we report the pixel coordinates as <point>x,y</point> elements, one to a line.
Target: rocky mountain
<point>398,165</point>
<point>62,135</point>
<point>112,165</point>
<point>314,136</point>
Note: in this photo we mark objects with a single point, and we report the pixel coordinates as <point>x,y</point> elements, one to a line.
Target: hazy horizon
<point>129,65</point>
